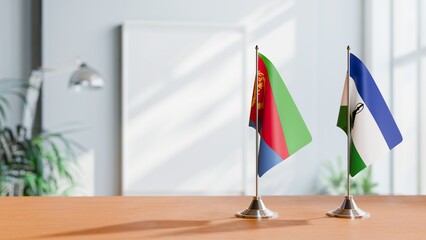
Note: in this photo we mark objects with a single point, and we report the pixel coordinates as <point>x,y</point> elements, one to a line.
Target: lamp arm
<point>33,93</point>
<point>31,100</point>
<point>48,71</point>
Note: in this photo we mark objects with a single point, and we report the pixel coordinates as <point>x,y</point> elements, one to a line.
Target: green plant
<point>33,166</point>
<point>334,180</point>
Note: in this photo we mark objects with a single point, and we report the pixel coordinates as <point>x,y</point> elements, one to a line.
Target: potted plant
<point>334,180</point>
<point>32,166</point>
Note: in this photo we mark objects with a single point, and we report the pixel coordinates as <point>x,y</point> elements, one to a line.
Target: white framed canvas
<point>184,109</point>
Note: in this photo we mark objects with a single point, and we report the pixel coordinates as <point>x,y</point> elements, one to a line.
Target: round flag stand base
<point>349,209</point>
<point>257,209</point>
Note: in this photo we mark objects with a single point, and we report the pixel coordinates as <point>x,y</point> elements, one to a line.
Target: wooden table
<point>300,217</point>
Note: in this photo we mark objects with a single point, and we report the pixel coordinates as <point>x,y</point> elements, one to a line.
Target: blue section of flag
<point>253,125</point>
<point>372,97</point>
<point>268,158</point>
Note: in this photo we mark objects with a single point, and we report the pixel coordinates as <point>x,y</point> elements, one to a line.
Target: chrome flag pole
<point>257,208</point>
<point>348,209</point>
<point>257,121</point>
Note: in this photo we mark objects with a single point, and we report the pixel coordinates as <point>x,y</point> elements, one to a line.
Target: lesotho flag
<point>374,131</point>
<point>281,127</point>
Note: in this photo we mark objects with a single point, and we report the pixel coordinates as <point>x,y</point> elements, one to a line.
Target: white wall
<point>305,39</point>
<point>15,47</point>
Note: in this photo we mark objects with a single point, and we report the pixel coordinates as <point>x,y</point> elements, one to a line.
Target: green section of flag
<point>342,119</point>
<point>356,164</point>
<point>295,131</point>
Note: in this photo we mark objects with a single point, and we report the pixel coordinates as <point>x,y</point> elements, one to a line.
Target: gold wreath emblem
<point>260,91</point>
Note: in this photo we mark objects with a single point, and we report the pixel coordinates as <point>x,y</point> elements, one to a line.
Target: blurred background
<point>172,116</point>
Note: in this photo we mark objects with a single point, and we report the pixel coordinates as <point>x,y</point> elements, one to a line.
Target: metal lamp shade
<point>86,77</point>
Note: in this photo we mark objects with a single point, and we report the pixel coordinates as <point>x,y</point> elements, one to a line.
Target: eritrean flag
<point>374,131</point>
<point>281,127</point>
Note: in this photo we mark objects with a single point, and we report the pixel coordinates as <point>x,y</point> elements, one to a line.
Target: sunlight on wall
<point>423,23</point>
<point>405,112</point>
<point>85,174</point>
<point>265,13</point>
<point>405,34</point>
<point>205,52</point>
<point>423,128</point>
<point>284,36</point>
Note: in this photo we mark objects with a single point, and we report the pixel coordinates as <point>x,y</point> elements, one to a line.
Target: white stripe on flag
<point>344,101</point>
<point>366,135</point>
